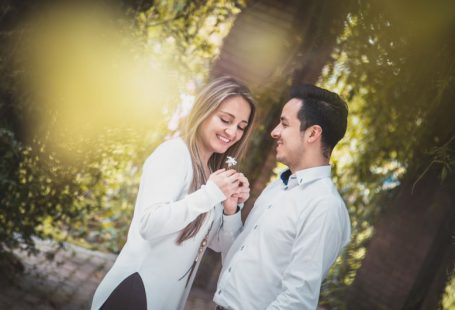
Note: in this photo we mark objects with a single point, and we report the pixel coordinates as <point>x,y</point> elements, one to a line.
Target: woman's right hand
<point>226,180</point>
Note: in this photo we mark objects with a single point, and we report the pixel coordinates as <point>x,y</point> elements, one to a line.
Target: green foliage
<point>45,197</point>
<point>444,156</point>
<point>189,32</point>
<point>36,189</point>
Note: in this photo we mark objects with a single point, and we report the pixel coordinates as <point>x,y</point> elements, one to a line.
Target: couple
<point>188,200</point>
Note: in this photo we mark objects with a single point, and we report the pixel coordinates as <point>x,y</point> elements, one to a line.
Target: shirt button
<point>219,292</point>
<point>230,268</point>
<point>241,249</point>
<point>269,206</point>
<point>255,226</point>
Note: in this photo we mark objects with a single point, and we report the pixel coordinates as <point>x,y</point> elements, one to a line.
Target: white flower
<point>231,161</point>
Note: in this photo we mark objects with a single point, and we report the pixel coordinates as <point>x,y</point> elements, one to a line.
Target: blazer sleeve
<point>165,177</point>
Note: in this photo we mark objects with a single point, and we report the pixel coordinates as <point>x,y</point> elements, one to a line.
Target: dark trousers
<point>130,294</point>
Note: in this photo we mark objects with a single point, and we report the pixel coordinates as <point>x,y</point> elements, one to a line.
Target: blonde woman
<point>186,202</point>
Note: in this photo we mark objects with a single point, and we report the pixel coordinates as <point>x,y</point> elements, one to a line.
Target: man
<point>299,224</point>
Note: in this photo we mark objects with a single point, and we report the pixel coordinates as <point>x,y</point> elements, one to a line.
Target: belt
<point>218,307</point>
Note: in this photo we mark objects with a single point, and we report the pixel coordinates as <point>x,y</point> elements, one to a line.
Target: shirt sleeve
<point>317,244</point>
<point>229,229</point>
<point>163,181</point>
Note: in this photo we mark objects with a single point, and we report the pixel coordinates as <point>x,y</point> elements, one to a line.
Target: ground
<point>66,282</point>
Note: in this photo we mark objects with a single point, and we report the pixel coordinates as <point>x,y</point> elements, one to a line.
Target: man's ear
<point>315,133</point>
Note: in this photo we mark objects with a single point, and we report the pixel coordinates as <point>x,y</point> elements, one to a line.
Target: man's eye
<point>241,128</point>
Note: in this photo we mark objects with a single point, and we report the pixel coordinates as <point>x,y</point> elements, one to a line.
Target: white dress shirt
<point>163,208</point>
<point>290,239</point>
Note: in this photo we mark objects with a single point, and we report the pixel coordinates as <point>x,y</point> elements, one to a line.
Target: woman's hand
<point>244,189</point>
<point>226,180</point>
<point>242,194</point>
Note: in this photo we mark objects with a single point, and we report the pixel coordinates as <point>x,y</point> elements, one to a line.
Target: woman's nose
<point>230,131</point>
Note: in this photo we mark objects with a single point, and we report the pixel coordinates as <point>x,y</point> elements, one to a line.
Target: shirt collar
<point>306,175</point>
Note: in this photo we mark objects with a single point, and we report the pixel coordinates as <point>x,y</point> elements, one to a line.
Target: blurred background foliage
<point>87,92</point>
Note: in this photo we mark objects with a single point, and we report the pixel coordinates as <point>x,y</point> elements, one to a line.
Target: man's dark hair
<point>324,108</point>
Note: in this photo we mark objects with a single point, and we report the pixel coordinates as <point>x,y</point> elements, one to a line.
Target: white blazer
<point>163,208</point>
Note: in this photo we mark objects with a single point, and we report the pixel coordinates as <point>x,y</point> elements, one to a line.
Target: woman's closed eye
<point>224,120</point>
<point>229,121</point>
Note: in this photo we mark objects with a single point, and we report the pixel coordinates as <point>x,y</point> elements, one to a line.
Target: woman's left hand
<point>244,192</point>
<point>242,195</point>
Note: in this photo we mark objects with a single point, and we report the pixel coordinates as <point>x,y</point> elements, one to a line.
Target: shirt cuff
<point>233,222</point>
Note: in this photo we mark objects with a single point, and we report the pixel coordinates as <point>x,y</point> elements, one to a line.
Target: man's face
<point>289,138</point>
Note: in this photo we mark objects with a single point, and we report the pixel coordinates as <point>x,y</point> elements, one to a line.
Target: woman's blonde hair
<point>208,100</point>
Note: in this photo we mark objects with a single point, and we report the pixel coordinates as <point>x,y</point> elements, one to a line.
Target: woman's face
<point>225,126</point>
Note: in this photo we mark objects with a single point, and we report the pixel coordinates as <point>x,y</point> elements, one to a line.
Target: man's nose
<point>275,133</point>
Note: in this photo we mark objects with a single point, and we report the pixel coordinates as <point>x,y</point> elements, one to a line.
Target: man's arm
<point>316,247</point>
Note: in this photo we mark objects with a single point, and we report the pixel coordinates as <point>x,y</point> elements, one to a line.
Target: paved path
<point>67,282</point>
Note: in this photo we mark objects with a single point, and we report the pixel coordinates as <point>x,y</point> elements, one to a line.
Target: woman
<point>186,202</point>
